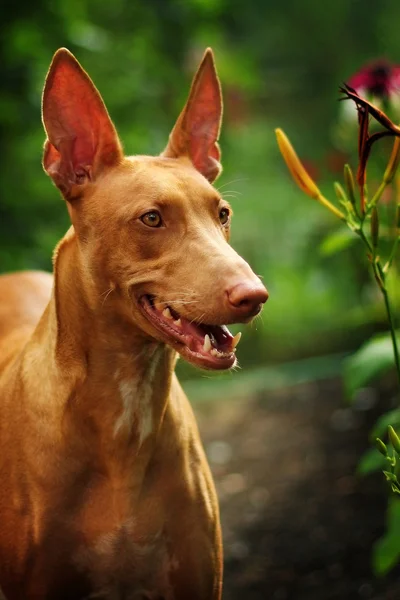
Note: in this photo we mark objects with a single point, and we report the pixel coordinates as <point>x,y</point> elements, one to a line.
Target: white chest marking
<point>136,399</point>
<point>128,390</point>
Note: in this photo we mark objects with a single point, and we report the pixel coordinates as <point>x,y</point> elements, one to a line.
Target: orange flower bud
<point>297,170</point>
<point>300,175</point>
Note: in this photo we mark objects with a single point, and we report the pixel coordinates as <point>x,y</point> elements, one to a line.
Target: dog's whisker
<point>182,294</point>
<point>183,297</point>
<point>232,181</point>
<point>108,292</point>
<point>105,292</point>
<point>231,192</point>
<point>199,320</point>
<point>231,196</point>
<point>175,302</point>
<point>259,317</point>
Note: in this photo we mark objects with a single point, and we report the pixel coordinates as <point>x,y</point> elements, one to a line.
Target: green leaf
<point>390,418</point>
<point>394,439</point>
<point>370,462</point>
<point>389,476</point>
<point>337,241</point>
<point>381,447</point>
<point>371,360</point>
<point>386,552</point>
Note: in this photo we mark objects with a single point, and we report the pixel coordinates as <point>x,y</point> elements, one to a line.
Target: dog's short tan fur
<point>105,490</point>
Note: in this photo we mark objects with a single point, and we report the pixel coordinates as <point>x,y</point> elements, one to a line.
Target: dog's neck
<point>118,377</point>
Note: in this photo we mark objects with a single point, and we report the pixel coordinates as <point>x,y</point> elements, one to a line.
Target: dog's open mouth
<point>210,346</point>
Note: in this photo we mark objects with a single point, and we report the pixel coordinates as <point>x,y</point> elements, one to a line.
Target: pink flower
<point>379,80</point>
<point>365,110</point>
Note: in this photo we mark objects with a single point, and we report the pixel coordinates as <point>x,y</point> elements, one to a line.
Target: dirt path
<point>298,524</point>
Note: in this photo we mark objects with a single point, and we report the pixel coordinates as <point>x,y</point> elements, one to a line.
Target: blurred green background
<point>280,64</point>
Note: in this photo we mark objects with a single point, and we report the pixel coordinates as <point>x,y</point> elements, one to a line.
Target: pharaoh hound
<point>105,490</point>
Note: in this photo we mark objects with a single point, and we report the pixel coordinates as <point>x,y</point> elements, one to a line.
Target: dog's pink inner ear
<point>81,138</point>
<point>196,131</point>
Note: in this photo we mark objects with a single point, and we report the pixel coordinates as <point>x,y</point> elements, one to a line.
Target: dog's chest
<point>121,565</point>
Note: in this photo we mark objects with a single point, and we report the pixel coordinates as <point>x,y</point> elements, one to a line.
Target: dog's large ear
<point>197,129</point>
<point>81,139</point>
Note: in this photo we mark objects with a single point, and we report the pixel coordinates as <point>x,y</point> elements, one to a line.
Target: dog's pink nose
<point>247,298</point>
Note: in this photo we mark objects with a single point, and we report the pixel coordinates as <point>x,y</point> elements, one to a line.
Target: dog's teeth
<point>178,322</point>
<point>207,343</point>
<point>236,340</point>
<point>219,353</point>
<point>159,306</point>
<point>167,313</point>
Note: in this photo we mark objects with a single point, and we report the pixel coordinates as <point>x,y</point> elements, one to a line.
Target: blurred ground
<point>297,523</point>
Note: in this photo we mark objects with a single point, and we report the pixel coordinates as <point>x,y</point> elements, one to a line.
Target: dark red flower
<point>365,109</point>
<point>379,79</point>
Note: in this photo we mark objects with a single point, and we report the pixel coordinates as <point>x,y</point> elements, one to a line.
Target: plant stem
<point>391,321</point>
<point>380,277</point>
<point>377,196</point>
<point>392,255</point>
<point>325,202</point>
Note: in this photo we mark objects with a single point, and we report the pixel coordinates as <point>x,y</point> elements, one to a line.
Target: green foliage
<point>337,241</point>
<point>373,359</point>
<point>141,56</point>
<point>361,215</point>
<point>370,462</point>
<point>390,418</point>
<point>386,552</point>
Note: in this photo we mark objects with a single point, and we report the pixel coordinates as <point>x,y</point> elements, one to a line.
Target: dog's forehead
<point>147,182</point>
<point>162,177</point>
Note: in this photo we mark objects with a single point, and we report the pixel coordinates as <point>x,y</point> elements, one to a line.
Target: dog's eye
<point>152,219</point>
<point>224,215</point>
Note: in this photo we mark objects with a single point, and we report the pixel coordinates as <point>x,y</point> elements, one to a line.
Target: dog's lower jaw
<point>207,346</point>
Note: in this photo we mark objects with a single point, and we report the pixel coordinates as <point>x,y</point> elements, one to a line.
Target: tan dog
<point>105,491</point>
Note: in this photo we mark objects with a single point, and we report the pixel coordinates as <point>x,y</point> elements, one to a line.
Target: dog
<point>105,488</point>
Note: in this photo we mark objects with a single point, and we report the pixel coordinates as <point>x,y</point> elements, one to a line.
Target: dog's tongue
<point>214,339</point>
<point>219,335</point>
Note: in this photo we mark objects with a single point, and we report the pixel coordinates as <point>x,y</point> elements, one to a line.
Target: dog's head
<point>152,231</point>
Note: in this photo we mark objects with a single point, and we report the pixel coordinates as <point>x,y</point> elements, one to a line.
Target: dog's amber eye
<point>224,215</point>
<point>152,219</point>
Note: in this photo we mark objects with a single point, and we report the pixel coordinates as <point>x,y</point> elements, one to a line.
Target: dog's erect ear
<point>196,131</point>
<point>81,139</point>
